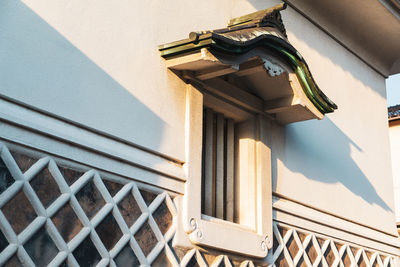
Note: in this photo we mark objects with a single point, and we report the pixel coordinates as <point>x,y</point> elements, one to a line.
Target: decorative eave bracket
<point>253,55</point>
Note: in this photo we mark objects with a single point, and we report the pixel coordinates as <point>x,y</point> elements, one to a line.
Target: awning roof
<point>260,29</point>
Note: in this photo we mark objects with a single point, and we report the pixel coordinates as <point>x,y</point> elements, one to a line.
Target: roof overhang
<point>368,28</point>
<point>394,115</point>
<point>252,51</point>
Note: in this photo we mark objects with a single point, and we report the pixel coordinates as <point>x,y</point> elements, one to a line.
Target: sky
<point>393,90</point>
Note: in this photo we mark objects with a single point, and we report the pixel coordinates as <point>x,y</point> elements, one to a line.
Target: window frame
<point>217,233</point>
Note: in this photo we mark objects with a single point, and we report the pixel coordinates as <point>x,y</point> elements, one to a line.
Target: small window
<point>228,167</point>
<point>218,165</point>
<point>229,185</point>
<point>240,80</point>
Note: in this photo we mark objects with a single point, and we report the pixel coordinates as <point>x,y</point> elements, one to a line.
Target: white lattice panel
<point>57,215</point>
<point>32,238</point>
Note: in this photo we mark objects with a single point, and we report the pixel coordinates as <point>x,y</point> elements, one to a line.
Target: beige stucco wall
<point>394,133</point>
<point>338,162</point>
<point>96,63</point>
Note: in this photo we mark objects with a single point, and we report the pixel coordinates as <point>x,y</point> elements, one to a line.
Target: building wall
<point>394,133</point>
<point>94,73</point>
<point>336,156</point>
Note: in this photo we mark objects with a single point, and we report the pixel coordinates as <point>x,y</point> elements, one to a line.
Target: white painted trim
<point>297,215</point>
<point>55,128</point>
<point>212,232</point>
<point>68,193</point>
<point>225,237</point>
<point>12,134</point>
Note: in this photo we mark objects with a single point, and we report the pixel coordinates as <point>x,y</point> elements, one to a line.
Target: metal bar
<point>230,170</point>
<point>209,196</point>
<point>220,168</point>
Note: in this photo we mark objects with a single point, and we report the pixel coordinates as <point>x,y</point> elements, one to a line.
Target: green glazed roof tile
<point>260,29</point>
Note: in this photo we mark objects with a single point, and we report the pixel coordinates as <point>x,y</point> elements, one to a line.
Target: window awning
<point>251,54</point>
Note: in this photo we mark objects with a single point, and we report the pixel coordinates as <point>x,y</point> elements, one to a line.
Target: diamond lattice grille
<point>319,251</point>
<point>55,215</point>
<point>52,214</point>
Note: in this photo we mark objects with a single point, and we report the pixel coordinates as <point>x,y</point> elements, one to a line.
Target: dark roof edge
<point>260,29</point>
<point>316,24</point>
<point>367,54</point>
<point>393,119</point>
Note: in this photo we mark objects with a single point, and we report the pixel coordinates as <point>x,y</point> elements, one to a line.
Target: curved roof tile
<point>260,29</point>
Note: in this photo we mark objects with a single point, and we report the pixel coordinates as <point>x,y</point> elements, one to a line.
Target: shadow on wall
<point>319,149</point>
<point>38,66</point>
<point>325,153</point>
<point>325,49</point>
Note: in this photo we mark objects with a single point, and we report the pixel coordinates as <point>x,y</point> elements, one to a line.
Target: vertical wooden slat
<point>236,206</point>
<point>220,167</point>
<point>246,187</point>
<point>264,176</point>
<point>230,131</point>
<point>209,195</point>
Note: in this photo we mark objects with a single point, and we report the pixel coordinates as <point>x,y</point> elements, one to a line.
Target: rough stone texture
<point>19,212</point>
<point>126,258</point>
<point>163,218</point>
<point>23,161</point>
<point>3,242</point>
<point>113,187</point>
<point>67,223</point>
<point>109,232</point>
<point>5,177</point>
<point>70,175</point>
<point>45,187</point>
<point>148,196</point>
<point>86,253</point>
<point>41,248</point>
<point>13,262</point>
<point>129,209</point>
<point>90,199</point>
<point>146,238</point>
